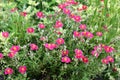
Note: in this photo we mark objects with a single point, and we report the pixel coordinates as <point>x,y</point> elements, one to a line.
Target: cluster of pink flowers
<point>79,55</point>
<point>108,49</point>
<point>65,58</point>
<point>97,50</point>
<point>107,60</point>
<point>21,69</point>
<point>50,46</point>
<point>66,11</point>
<point>13,50</point>
<point>87,34</point>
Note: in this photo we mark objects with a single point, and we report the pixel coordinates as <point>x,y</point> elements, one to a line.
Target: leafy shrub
<point>75,42</point>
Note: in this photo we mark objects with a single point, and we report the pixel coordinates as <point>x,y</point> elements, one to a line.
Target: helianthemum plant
<point>74,43</point>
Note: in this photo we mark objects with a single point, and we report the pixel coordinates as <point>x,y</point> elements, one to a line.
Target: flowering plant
<point>70,44</point>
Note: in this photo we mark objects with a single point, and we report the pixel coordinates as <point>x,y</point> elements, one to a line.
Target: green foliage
<point>46,64</point>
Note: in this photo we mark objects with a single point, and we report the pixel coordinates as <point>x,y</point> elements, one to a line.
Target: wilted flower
<point>8,71</point>
<point>22,69</point>
<point>42,38</point>
<point>95,53</point>
<point>5,34</point>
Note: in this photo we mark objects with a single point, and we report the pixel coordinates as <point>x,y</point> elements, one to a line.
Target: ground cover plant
<point>59,39</point>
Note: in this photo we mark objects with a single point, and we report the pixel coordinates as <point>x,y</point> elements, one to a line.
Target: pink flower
<point>89,35</point>
<point>79,56</point>
<point>71,15</point>
<point>43,38</point>
<point>58,24</point>
<point>13,10</point>
<point>105,61</point>
<point>65,53</point>
<point>84,33</point>
<point>82,26</point>
<point>85,60</point>
<point>11,54</point>
<point>1,55</point>
<point>30,30</point>
<point>23,14</point>
<point>77,51</point>
<point>66,59</point>
<point>77,18</point>
<point>110,59</point>
<point>39,14</point>
<point>84,7</point>
<point>60,41</point>
<point>66,11</point>
<point>22,69</point>
<point>98,48</point>
<point>76,34</point>
<point>14,48</point>
<point>95,53</point>
<point>33,47</point>
<point>5,34</point>
<point>61,6</point>
<point>8,71</point>
<point>99,34</point>
<point>108,49</point>
<point>50,46</point>
<point>71,1</point>
<point>42,26</point>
